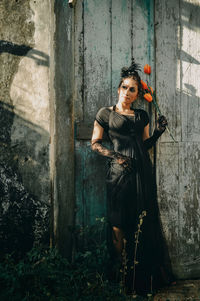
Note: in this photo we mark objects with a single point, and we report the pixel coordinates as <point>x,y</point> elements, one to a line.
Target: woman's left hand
<point>162,123</point>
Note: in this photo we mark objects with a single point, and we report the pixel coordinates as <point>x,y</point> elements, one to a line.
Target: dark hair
<point>132,72</point>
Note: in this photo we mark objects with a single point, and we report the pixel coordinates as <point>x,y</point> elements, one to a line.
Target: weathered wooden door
<point>162,33</point>
<point>177,32</point>
<point>107,34</point>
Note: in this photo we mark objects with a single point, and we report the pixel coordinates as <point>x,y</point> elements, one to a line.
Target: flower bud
<point>147,69</point>
<point>144,85</point>
<point>148,97</point>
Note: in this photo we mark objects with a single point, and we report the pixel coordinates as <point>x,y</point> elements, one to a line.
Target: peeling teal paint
<point>148,9</point>
<point>65,4</point>
<point>150,28</point>
<point>86,8</point>
<point>123,6</point>
<point>90,186</point>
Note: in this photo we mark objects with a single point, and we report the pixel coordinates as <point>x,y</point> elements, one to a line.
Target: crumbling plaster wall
<point>24,122</point>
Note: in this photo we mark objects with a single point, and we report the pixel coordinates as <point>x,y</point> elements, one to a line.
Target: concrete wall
<point>36,125</point>
<point>24,123</point>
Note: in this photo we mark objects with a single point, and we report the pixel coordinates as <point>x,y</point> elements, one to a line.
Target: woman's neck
<point>124,107</point>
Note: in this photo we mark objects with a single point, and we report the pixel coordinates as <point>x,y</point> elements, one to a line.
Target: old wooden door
<point>177,32</point>
<point>107,34</point>
<point>162,33</point>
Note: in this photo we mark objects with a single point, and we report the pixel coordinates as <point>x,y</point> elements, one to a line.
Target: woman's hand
<point>124,161</point>
<point>121,160</point>
<point>162,123</point>
<point>161,127</point>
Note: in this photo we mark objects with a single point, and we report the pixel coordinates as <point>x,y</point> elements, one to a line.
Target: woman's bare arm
<point>97,132</point>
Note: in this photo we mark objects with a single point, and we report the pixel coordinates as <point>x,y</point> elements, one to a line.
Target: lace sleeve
<point>96,145</point>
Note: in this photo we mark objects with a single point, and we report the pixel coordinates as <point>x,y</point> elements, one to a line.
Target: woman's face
<point>128,91</point>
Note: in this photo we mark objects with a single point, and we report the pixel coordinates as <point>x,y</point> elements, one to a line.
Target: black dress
<point>132,201</point>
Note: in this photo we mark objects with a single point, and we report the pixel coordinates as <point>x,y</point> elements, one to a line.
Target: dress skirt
<point>148,265</point>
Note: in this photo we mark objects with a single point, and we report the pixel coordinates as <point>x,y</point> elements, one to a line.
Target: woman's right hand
<point>123,160</point>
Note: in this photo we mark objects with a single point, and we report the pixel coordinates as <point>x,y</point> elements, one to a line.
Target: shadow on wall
<point>24,179</point>
<point>190,12</point>
<point>21,50</point>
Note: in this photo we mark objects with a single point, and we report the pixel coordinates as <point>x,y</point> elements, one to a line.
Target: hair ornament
<point>131,70</point>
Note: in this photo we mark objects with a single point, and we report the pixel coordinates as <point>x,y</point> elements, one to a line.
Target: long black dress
<point>132,201</point>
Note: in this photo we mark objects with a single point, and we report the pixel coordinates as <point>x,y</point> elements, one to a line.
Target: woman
<point>133,215</point>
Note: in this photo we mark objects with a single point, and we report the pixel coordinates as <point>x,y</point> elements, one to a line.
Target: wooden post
<point>62,155</point>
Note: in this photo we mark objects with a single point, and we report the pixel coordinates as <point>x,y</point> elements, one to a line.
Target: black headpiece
<point>130,71</point>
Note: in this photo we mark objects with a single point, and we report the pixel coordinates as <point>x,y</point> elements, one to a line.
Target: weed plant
<point>43,274</point>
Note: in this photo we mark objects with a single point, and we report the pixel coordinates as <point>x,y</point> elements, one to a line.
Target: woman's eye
<point>131,89</point>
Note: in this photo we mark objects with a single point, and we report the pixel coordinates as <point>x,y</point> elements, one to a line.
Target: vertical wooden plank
<point>189,70</point>
<point>79,188</point>
<point>92,64</point>
<point>189,222</point>
<point>121,31</point>
<point>96,56</point>
<point>167,35</point>
<point>63,177</point>
<point>78,60</point>
<point>168,194</point>
<point>167,32</point>
<point>143,31</point>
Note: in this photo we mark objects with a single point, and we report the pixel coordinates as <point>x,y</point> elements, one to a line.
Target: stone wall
<point>24,123</point>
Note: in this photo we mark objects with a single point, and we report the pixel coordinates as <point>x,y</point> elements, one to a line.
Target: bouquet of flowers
<point>150,95</point>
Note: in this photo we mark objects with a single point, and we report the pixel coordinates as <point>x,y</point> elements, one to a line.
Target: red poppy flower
<point>144,85</point>
<point>148,97</point>
<point>147,69</point>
